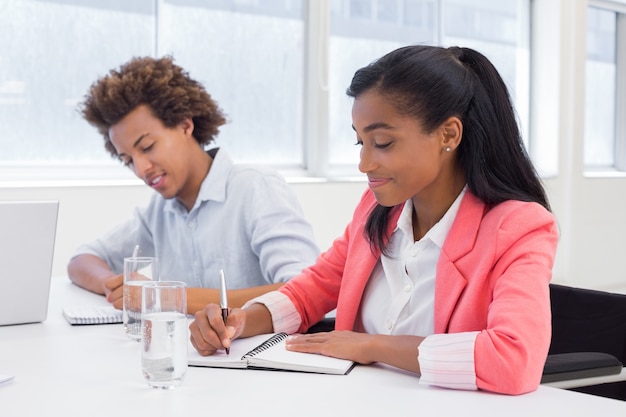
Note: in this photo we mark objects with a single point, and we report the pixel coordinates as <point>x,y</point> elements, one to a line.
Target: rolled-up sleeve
<point>285,317</point>
<point>447,360</point>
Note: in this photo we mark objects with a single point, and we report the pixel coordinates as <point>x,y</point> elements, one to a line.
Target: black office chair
<point>325,325</point>
<point>588,338</point>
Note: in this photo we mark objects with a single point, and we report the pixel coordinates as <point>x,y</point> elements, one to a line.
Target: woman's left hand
<point>339,344</point>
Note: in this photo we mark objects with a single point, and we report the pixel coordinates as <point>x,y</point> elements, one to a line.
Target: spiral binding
<point>274,340</point>
<point>92,315</point>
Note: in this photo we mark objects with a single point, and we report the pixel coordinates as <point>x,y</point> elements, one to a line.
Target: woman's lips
<point>377,182</point>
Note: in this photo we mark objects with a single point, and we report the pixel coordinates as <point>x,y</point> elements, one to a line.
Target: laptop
<point>27,235</point>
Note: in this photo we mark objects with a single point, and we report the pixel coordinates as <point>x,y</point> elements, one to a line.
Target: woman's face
<point>400,159</point>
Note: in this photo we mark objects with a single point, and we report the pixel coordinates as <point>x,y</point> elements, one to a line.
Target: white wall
<point>591,253</point>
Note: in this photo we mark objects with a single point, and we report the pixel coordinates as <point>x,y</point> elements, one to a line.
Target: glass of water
<point>164,333</point>
<point>137,271</point>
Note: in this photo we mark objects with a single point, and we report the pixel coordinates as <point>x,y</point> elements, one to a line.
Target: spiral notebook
<point>90,314</point>
<point>268,352</point>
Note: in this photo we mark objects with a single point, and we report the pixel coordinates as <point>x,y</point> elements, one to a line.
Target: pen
<point>223,300</point>
<point>136,251</point>
<point>135,255</point>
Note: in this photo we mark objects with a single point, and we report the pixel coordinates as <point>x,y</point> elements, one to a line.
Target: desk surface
<point>95,371</point>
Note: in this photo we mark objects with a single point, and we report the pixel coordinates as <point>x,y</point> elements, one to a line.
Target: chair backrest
<point>585,320</point>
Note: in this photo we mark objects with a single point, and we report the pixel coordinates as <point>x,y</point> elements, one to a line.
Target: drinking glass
<point>137,271</point>
<point>164,333</point>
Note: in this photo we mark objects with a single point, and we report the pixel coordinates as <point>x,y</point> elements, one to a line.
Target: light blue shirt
<point>246,221</point>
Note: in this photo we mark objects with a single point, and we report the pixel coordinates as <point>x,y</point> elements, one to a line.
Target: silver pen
<point>223,300</point>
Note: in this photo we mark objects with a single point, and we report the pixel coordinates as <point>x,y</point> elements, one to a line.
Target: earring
<point>448,149</point>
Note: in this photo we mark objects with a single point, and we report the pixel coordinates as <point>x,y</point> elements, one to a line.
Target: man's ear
<point>187,127</point>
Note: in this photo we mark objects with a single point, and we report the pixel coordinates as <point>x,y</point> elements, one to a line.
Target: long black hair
<point>432,84</point>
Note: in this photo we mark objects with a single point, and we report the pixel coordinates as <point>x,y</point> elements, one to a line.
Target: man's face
<point>157,154</point>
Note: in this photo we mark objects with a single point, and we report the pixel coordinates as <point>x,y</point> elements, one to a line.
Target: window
<point>600,88</point>
<point>51,52</point>
<point>278,68</point>
<point>362,30</point>
<point>603,147</point>
<point>249,56</point>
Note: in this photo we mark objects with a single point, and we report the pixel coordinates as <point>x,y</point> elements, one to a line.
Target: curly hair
<point>163,86</point>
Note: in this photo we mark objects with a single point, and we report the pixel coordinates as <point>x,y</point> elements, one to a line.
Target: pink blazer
<point>492,277</point>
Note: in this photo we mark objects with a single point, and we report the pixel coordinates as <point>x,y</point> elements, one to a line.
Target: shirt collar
<point>213,187</point>
<point>437,234</point>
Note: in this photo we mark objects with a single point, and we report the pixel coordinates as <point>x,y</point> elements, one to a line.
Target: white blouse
<point>400,295</point>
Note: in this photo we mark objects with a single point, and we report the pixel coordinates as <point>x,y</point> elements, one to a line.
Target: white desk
<point>95,371</point>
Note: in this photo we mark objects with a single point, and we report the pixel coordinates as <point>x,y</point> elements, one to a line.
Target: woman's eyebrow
<point>376,125</point>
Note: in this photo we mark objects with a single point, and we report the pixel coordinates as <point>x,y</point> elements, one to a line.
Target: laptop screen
<point>27,236</point>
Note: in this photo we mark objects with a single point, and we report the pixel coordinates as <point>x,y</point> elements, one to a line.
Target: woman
<point>444,268</point>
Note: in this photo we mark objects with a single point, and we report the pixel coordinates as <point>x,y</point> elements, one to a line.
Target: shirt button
<point>415,251</point>
<point>191,225</point>
<point>407,288</point>
<point>389,325</point>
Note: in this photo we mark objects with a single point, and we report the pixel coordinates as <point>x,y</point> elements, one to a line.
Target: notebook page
<point>278,357</point>
<point>220,359</point>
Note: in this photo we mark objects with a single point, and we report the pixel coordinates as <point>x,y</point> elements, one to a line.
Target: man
<point>207,213</point>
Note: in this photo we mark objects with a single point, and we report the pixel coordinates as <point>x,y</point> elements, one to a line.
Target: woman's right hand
<point>209,333</point>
